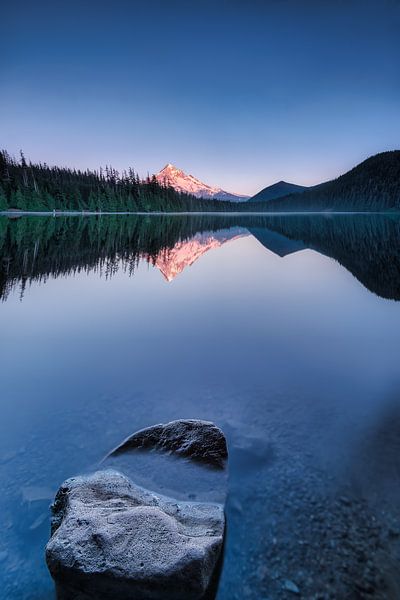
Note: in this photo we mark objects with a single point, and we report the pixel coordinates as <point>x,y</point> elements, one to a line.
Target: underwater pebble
<point>290,586</point>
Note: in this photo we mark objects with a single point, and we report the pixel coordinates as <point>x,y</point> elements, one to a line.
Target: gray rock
<point>198,440</point>
<point>112,540</point>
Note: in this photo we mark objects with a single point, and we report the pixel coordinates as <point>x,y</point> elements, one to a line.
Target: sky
<point>239,94</point>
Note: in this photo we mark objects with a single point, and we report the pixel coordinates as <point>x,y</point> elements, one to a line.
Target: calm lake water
<point>283,330</point>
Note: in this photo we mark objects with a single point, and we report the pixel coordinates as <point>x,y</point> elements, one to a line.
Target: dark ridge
<point>373,185</point>
<point>277,190</point>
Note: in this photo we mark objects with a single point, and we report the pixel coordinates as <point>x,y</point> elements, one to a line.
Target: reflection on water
<point>35,248</point>
<point>243,320</point>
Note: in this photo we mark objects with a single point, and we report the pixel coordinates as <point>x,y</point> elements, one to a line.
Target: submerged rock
<point>112,540</point>
<point>171,475</point>
<point>199,440</point>
<point>290,586</point>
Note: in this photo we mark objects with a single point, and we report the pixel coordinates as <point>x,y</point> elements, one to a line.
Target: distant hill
<point>277,190</point>
<point>373,185</point>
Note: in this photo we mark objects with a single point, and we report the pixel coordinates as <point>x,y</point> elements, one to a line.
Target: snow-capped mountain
<point>182,182</point>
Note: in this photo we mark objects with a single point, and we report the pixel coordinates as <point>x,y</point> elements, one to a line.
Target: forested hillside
<point>374,185</point>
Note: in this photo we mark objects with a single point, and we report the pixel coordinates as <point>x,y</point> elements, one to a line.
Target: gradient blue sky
<point>241,94</point>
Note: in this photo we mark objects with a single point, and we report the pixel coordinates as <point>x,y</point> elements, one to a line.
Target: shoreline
<point>71,213</point>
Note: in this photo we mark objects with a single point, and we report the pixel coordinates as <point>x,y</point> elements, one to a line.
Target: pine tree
<point>3,200</point>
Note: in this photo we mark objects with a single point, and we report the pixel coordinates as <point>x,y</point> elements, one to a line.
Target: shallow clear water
<point>282,330</point>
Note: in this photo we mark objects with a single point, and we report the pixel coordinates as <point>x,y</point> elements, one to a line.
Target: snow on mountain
<point>182,182</point>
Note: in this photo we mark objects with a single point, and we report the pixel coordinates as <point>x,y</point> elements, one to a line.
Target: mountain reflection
<point>35,248</point>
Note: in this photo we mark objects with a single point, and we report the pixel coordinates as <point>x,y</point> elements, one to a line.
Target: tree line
<point>27,186</point>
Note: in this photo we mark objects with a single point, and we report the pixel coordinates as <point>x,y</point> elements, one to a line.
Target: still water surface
<point>282,330</point>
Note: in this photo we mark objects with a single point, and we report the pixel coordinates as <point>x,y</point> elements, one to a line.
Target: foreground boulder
<point>199,440</point>
<point>112,540</point>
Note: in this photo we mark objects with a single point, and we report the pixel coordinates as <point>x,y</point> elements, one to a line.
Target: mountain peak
<point>188,184</point>
<point>170,170</point>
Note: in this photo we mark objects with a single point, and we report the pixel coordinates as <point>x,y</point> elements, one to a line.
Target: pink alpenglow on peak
<point>188,184</point>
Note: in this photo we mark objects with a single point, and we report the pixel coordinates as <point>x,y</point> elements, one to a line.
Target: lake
<point>283,330</point>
